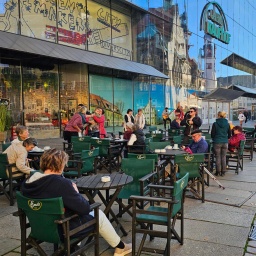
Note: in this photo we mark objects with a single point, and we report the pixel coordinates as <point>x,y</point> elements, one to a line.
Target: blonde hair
<point>222,114</point>
<point>54,160</point>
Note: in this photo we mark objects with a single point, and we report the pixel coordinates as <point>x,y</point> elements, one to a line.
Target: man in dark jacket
<point>192,122</point>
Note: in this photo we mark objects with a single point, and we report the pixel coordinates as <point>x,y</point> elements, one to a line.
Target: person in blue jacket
<point>199,144</point>
<point>51,183</point>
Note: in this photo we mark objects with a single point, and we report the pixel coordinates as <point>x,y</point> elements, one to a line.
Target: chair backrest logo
<point>182,184</point>
<point>141,156</point>
<point>98,141</point>
<point>189,158</point>
<point>90,153</point>
<point>35,206</point>
<point>81,139</point>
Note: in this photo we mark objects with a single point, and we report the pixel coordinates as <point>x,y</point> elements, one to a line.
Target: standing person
<point>234,141</point>
<point>75,125</point>
<point>99,118</point>
<point>192,122</point>
<point>246,116</point>
<point>179,111</point>
<point>128,118</point>
<point>51,183</point>
<point>241,118</point>
<point>175,124</point>
<point>17,153</point>
<point>220,134</point>
<point>22,134</point>
<point>140,119</point>
<point>165,115</point>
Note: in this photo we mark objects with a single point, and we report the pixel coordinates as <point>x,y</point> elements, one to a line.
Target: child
<point>92,128</point>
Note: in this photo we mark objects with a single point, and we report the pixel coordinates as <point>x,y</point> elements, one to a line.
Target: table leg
<point>108,209</point>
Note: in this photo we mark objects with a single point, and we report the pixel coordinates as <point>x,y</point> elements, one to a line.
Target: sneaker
<point>120,252</point>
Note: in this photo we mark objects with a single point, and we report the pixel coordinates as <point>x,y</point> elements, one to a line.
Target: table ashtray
<point>105,179</point>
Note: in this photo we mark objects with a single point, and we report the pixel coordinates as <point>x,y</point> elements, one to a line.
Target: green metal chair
<point>173,132</point>
<point>77,145</point>
<point>9,178</point>
<point>5,145</point>
<point>158,145</point>
<point>142,171</point>
<point>249,145</point>
<point>144,220</point>
<point>192,164</point>
<point>109,155</point>
<point>159,164</point>
<point>83,166</point>
<point>156,137</point>
<point>177,139</point>
<point>44,217</point>
<point>152,128</point>
<point>235,160</point>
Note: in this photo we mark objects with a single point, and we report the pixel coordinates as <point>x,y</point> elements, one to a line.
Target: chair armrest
<point>154,199</point>
<point>146,177</point>
<point>160,187</point>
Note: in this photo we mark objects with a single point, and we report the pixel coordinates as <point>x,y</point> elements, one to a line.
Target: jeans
<point>220,151</point>
<point>106,230</point>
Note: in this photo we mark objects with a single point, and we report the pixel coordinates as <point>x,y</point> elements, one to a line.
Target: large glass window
<point>41,104</point>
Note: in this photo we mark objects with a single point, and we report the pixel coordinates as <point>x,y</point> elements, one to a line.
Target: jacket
<point>197,122</point>
<point>220,131</point>
<point>199,147</point>
<point>17,154</point>
<point>76,120</point>
<point>51,185</point>
<point>234,141</point>
<point>137,138</point>
<point>100,120</point>
<point>127,119</point>
<point>140,121</point>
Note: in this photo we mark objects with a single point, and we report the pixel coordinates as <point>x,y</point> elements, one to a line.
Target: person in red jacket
<point>234,141</point>
<point>99,118</point>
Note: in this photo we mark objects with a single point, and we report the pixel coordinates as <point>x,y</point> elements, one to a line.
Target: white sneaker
<point>121,252</point>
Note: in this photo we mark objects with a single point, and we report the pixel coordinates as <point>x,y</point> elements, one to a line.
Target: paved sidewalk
<point>210,228</point>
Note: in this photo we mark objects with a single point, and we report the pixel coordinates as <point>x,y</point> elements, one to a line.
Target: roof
<point>240,63</point>
<point>222,94</point>
<point>247,92</point>
<point>19,43</point>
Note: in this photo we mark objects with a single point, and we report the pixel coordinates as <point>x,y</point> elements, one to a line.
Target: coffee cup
<point>121,137</point>
<point>168,147</point>
<point>175,146</point>
<point>157,150</point>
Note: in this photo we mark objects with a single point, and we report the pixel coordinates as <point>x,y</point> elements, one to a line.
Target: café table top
<point>94,182</point>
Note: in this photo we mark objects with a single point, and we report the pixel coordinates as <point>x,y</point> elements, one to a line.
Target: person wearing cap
<point>199,144</point>
<point>165,115</point>
<point>17,153</point>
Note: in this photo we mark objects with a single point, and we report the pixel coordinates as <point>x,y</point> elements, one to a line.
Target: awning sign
<point>214,23</point>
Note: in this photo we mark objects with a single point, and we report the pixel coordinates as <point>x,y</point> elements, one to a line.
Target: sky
<point>240,15</point>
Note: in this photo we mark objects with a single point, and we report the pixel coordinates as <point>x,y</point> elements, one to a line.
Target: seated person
<point>22,134</point>
<point>175,124</point>
<point>128,130</point>
<point>234,140</point>
<point>92,128</point>
<point>51,183</point>
<point>137,138</point>
<point>17,153</point>
<point>198,145</point>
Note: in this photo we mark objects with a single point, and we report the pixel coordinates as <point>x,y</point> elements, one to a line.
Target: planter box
<point>3,136</point>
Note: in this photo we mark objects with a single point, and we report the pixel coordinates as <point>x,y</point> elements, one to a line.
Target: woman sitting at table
<point>137,139</point>
<point>234,140</point>
<point>17,153</point>
<point>51,183</point>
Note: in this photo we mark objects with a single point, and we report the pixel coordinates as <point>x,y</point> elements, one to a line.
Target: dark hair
<point>20,129</point>
<point>29,141</point>
<point>238,128</point>
<point>54,160</point>
<point>195,109</point>
<point>139,110</point>
<point>129,110</point>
